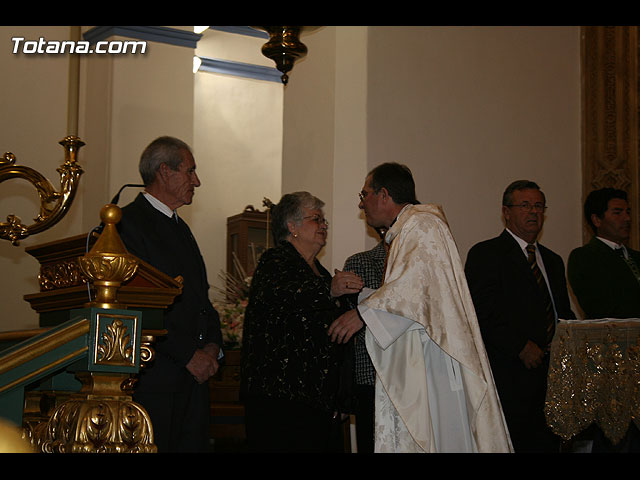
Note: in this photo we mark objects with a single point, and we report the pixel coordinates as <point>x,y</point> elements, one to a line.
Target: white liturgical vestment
<point>434,387</point>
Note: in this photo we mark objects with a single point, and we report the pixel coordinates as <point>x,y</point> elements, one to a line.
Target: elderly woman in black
<point>289,363</point>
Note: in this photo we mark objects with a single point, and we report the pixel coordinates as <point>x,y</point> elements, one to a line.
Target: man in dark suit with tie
<point>605,278</point>
<point>174,389</point>
<point>519,291</point>
<point>604,273</point>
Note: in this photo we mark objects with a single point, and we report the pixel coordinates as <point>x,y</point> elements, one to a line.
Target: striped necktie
<point>629,261</point>
<point>550,316</point>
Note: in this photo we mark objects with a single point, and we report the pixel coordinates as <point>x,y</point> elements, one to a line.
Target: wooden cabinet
<point>248,235</point>
<point>227,413</point>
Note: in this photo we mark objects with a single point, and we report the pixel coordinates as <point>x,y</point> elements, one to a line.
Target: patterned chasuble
<point>425,285</point>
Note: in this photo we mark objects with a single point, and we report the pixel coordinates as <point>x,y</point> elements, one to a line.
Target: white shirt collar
<point>523,244</point>
<point>613,245</point>
<point>158,205</point>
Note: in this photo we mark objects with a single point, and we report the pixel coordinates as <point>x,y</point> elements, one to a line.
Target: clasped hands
<point>347,324</point>
<point>344,283</point>
<point>204,363</point>
<point>532,355</point>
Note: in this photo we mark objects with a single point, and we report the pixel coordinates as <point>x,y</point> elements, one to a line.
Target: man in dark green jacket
<point>604,273</point>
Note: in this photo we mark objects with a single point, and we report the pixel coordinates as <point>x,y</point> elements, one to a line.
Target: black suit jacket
<point>603,283</point>
<point>191,321</point>
<point>510,308</point>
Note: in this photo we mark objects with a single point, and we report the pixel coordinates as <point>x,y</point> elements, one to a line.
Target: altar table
<point>594,377</point>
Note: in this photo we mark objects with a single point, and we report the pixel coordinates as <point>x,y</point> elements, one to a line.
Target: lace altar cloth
<point>594,376</point>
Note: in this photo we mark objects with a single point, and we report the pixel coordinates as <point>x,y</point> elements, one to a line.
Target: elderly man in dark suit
<point>519,291</point>
<point>174,389</point>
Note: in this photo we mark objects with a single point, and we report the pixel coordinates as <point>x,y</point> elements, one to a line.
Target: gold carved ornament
<point>94,425</point>
<point>103,418</point>
<point>53,204</point>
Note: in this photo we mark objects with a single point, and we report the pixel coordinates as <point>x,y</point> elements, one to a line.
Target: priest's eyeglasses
<point>363,194</point>
<point>317,219</point>
<point>528,207</point>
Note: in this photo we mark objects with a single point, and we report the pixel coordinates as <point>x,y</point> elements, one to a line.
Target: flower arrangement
<point>235,294</point>
<point>231,322</point>
<point>232,305</point>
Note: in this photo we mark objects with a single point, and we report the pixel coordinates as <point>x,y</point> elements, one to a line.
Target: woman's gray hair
<point>165,149</point>
<point>290,209</point>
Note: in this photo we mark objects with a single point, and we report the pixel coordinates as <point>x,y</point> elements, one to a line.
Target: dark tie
<point>629,261</point>
<point>550,316</point>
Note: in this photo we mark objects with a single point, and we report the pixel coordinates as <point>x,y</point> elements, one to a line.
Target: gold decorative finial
<point>108,264</point>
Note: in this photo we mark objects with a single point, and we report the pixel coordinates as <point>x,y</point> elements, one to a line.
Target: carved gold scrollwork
<point>53,204</point>
<point>61,275</point>
<point>96,426</point>
<point>115,347</point>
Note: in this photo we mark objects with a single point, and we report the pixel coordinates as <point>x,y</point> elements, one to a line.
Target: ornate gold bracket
<point>53,204</point>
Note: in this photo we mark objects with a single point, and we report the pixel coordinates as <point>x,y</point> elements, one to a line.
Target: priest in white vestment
<point>434,388</point>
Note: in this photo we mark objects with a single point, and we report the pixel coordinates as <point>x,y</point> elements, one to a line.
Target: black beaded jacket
<point>286,351</point>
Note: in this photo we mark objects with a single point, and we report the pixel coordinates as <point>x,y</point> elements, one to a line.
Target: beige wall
<point>127,101</point>
<point>32,133</point>
<point>468,109</point>
<point>238,143</point>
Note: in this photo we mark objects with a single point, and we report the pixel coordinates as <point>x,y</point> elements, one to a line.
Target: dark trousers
<point>364,412</point>
<point>274,425</point>
<point>181,420</point>
<point>522,395</point>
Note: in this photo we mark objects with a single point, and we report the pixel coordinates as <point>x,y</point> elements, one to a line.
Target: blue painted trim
<point>239,69</point>
<point>248,31</point>
<point>171,36</point>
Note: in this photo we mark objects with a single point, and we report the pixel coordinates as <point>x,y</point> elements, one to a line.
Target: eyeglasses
<point>317,219</point>
<point>362,195</point>
<point>527,207</point>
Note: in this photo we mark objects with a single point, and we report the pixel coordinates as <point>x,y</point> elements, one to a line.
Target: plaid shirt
<point>369,266</point>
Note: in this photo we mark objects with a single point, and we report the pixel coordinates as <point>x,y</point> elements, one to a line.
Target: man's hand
<point>343,283</point>
<point>213,350</point>
<point>343,327</point>
<point>531,355</point>
<point>202,365</point>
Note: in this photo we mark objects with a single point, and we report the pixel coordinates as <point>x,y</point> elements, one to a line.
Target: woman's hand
<point>344,283</point>
<point>345,326</point>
